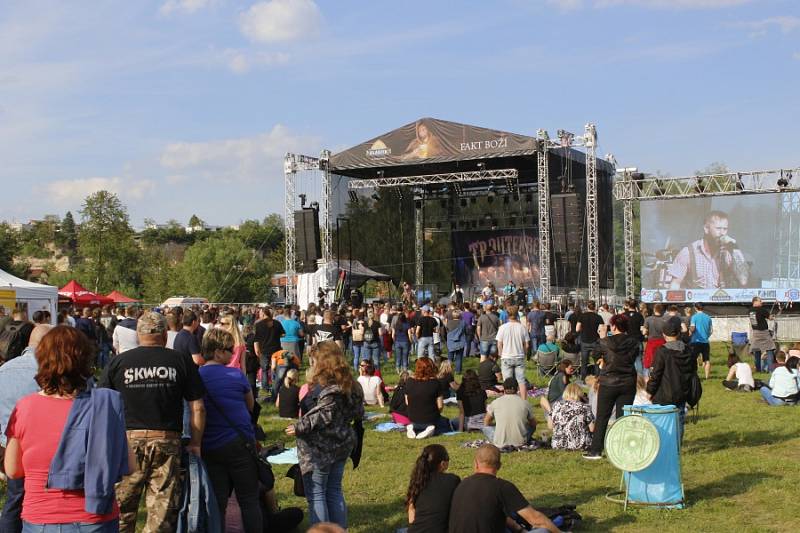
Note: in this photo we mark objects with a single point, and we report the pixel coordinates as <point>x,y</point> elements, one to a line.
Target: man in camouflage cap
<point>154,381</point>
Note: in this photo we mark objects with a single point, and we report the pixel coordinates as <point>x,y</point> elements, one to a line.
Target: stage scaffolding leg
<point>419,243</point>
<point>591,211</point>
<point>327,238</point>
<point>627,230</point>
<point>543,194</point>
<point>289,171</point>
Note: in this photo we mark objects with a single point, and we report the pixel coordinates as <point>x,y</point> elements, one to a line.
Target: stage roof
<point>430,140</point>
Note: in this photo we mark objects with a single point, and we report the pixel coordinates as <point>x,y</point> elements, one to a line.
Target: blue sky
<point>187,106</point>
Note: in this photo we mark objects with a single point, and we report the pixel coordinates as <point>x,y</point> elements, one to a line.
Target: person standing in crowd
<point>762,345</point>
<point>573,318</point>
<point>267,341</point>
<point>654,329</point>
<point>124,337</point>
<point>514,418</point>
<point>173,328</point>
<point>292,333</point>
<point>17,380</point>
<point>154,382</point>
<point>512,345</point>
<point>430,491</point>
<point>468,317</point>
<point>605,313</point>
<point>372,339</point>
<point>102,337</point>
<point>673,315</point>
<point>587,327</point>
<point>521,296</point>
<point>325,435</point>
<point>186,342</point>
<point>488,324</point>
<point>68,478</point>
<point>85,325</point>
<point>635,325</point>
<point>358,325</point>
<point>457,296</point>
<point>672,371</point>
<point>536,324</point>
<point>485,503</point>
<point>700,328</point>
<point>328,330</point>
<point>456,339</point>
<point>19,328</point>
<point>425,402</point>
<point>229,435</point>
<point>229,324</point>
<point>401,335</point>
<point>424,333</point>
<point>617,379</point>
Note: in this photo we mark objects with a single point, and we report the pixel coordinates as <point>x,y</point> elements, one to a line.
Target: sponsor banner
<point>719,295</point>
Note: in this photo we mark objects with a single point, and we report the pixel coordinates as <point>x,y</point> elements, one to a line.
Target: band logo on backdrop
<point>497,257</point>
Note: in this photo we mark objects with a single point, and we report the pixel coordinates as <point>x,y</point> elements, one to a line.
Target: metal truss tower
<point>593,259</point>
<point>327,237</point>
<point>627,230</point>
<point>419,241</point>
<point>543,195</point>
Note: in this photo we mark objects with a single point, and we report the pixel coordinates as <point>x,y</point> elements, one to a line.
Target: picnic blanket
<point>534,445</point>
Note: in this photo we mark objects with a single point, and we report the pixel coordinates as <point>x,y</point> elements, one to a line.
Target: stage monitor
<point>496,256</point>
<point>721,249</point>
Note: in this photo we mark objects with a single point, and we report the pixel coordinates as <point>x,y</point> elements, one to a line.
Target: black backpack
<point>11,341</point>
<point>695,391</point>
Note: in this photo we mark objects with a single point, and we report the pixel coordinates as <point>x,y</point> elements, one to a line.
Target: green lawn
<point>740,471</point>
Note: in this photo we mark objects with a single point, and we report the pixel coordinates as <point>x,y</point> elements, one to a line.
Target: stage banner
<point>431,140</point>
<point>496,256</point>
<point>720,249</point>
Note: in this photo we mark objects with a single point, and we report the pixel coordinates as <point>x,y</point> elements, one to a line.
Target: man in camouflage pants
<point>154,381</point>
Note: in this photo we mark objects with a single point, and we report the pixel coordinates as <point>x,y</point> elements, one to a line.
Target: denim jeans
<point>457,357</point>
<point>372,350</point>
<point>11,519</point>
<point>488,347</point>
<point>358,350</point>
<point>766,393</point>
<point>112,526</point>
<point>425,347</point>
<point>442,425</point>
<point>609,398</point>
<point>768,362</point>
<point>277,380</point>
<point>401,350</point>
<point>513,367</point>
<point>323,487</point>
<point>265,371</point>
<point>586,349</point>
<point>231,467</point>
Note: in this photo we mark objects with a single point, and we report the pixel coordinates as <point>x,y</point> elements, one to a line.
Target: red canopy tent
<point>79,295</point>
<point>120,298</point>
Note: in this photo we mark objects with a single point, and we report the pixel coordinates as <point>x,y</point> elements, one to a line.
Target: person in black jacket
<point>672,370</point>
<point>617,378</point>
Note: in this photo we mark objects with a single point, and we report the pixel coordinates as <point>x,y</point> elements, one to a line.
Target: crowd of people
<point>153,386</point>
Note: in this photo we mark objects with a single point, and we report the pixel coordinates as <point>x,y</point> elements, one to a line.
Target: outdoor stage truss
<point>629,189</point>
<point>569,140</point>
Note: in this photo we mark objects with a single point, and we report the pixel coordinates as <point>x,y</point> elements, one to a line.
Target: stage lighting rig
<point>785,179</point>
<point>353,196</point>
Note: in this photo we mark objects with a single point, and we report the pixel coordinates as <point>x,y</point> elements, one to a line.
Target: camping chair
<point>547,362</point>
<point>574,357</point>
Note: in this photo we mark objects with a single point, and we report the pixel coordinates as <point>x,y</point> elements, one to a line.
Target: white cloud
<point>183,6</point>
<point>785,24</point>
<point>245,159</point>
<point>280,20</point>
<point>242,61</point>
<point>72,192</point>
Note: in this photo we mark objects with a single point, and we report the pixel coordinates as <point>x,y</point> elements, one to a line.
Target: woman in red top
<point>34,430</point>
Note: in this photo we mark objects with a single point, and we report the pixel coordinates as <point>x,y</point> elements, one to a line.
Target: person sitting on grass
<point>740,375</point>
<point>783,383</point>
<point>483,502</point>
<point>447,381</point>
<point>569,347</point>
<point>370,383</point>
<point>430,491</point>
<point>558,383</point>
<point>425,403</point>
<point>572,420</point>
<point>490,375</point>
<point>288,402</point>
<point>471,403</point>
<point>514,418</point>
<point>397,405</point>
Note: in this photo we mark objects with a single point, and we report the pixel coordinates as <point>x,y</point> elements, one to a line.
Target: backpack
<point>695,392</point>
<point>11,341</point>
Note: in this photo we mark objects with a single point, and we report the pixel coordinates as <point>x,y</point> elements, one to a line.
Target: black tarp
<point>430,140</point>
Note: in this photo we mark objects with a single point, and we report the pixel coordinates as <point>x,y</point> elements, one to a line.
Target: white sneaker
<point>427,432</point>
<point>410,431</point>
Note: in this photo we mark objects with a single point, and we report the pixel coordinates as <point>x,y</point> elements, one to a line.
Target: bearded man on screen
<point>715,261</point>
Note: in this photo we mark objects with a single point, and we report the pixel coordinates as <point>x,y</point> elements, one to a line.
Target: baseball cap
<point>426,308</point>
<point>510,384</point>
<point>671,329</point>
<point>151,323</point>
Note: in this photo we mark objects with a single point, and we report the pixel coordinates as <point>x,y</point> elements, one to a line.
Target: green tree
<point>9,247</point>
<point>68,236</point>
<point>109,256</point>
<point>196,222</point>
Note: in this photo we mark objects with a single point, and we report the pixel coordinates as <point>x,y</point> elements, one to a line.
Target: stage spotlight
<point>784,180</point>
<point>353,196</point>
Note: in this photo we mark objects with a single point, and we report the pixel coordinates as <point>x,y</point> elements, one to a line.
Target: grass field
<point>740,471</point>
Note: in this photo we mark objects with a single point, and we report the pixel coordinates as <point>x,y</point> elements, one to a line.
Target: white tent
<point>14,290</point>
<point>308,284</point>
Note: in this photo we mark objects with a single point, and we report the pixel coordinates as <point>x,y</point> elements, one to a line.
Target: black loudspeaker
<point>308,247</point>
<point>566,226</point>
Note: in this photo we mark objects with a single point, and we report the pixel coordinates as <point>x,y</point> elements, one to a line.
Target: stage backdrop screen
<point>496,256</point>
<point>719,249</point>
